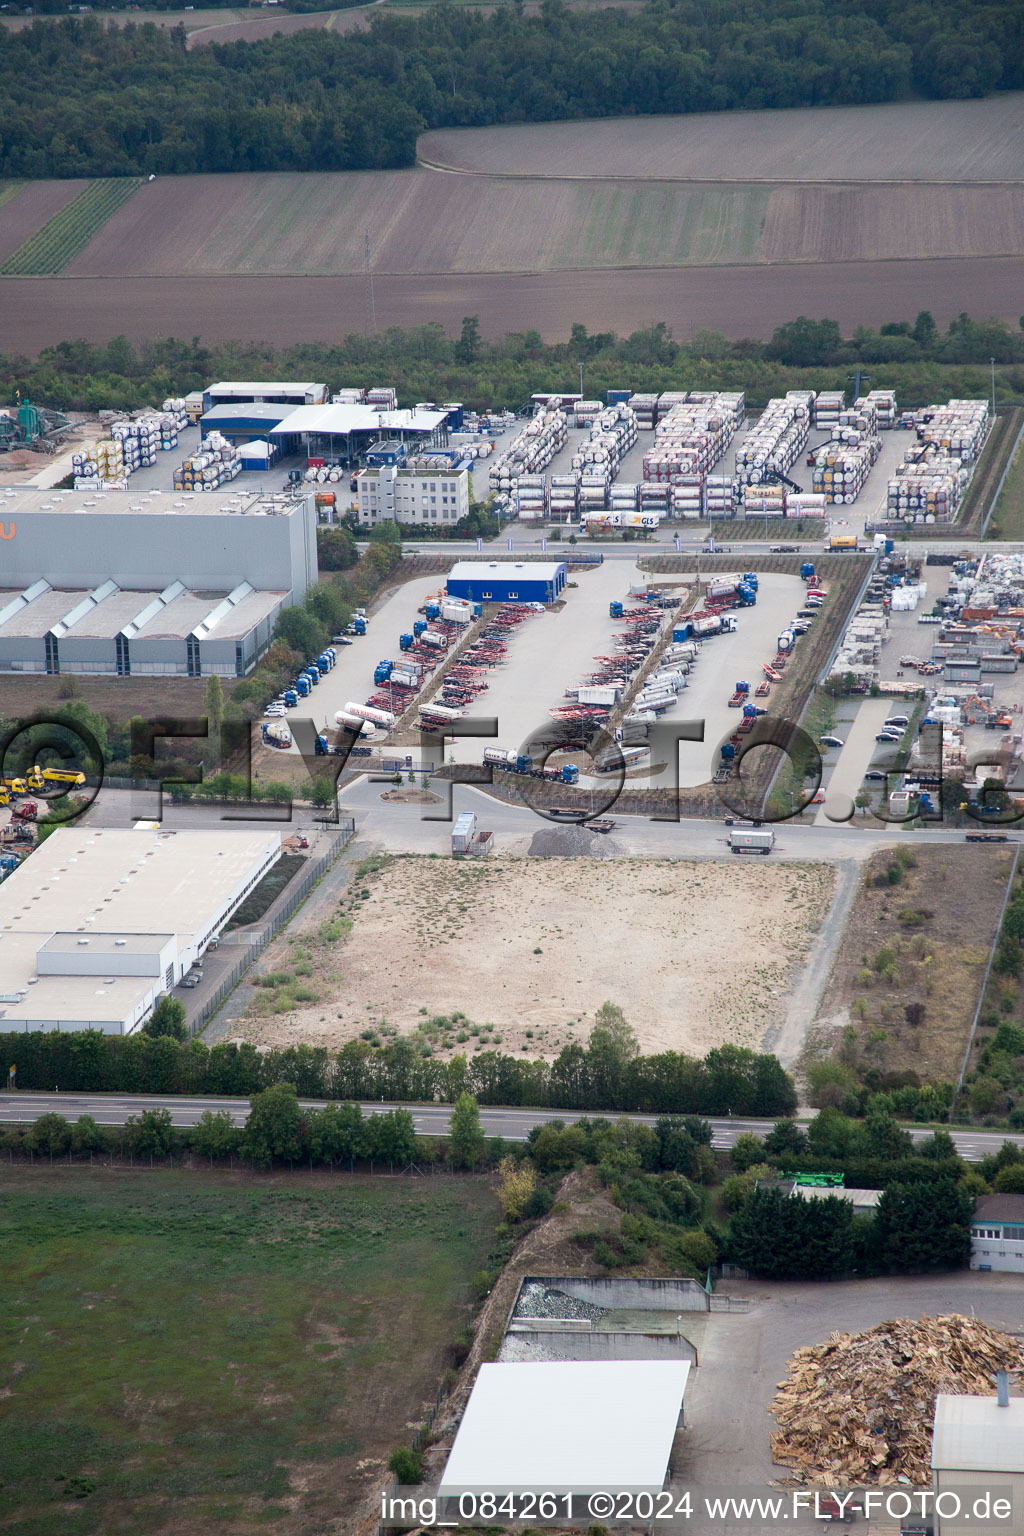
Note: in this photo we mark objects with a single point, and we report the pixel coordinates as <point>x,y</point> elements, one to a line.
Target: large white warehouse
<point>96,924</point>
<point>130,584</point>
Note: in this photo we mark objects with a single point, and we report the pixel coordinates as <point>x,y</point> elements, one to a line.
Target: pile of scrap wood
<point>858,1410</point>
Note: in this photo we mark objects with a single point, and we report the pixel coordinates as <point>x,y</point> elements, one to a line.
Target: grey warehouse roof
<point>176,618</point>
<point>18,500</point>
<point>973,1434</point>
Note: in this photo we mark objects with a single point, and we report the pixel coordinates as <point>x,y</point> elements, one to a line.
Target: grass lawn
<point>205,1351</point>
<point>1008,516</point>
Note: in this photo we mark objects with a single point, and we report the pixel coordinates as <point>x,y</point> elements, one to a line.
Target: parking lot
<point>725,660</point>
<point>548,653</point>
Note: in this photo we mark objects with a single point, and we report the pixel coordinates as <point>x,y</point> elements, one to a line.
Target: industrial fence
<point>252,941</point>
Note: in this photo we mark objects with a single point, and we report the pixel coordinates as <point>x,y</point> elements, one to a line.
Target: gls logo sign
<point>8,530</point>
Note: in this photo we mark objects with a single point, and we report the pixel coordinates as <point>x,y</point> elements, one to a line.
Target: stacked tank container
<point>764,501</point>
<point>529,452</point>
<point>827,406</point>
<point>645,409</point>
<point>218,463</point>
<point>101,464</point>
<point>612,434</point>
<point>655,498</point>
<point>775,443</point>
<point>840,470</point>
<point>721,493</point>
<point>382,398</point>
<point>349,396</point>
<point>688,496</point>
<point>884,402</point>
<point>623,497</point>
<point>531,498</point>
<point>564,498</point>
<point>587,412</point>
<point>960,428</point>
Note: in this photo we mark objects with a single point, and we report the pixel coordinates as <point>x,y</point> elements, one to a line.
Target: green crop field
<point>200,1350</point>
<point>59,240</point>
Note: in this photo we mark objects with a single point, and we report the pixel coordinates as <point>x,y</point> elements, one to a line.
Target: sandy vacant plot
<point>901,141</point>
<point>696,954</point>
<point>738,301</point>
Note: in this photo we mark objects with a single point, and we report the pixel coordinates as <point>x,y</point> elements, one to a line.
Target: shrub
<point>406,1464</point>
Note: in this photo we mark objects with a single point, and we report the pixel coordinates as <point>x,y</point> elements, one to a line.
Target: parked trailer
<point>751,840</point>
<point>382,717</point>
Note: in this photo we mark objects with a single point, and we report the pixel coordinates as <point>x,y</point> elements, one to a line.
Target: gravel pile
<point>542,1301</point>
<point>572,842</point>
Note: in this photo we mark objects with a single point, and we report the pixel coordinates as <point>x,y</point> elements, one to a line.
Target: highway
<point>24,1106</point>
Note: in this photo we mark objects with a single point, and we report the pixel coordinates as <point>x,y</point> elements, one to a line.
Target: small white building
<point>568,1427</point>
<point>410,495</point>
<point>977,1451</point>
<point>997,1233</point>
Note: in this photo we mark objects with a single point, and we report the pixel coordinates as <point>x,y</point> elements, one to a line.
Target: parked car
<point>896,723</point>
<point>890,736</point>
<point>273,711</point>
<point>831,741</point>
<point>806,613</point>
<point>875,775</point>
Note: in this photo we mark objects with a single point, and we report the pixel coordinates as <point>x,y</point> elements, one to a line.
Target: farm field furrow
<point>913,141</point>
<point>429,222</point>
<point>59,240</point>
<point>736,300</point>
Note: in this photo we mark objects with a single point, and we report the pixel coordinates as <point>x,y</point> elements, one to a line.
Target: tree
<point>335,549</point>
<point>167,1018</point>
<point>273,1127</point>
<point>610,1049</point>
<point>467,348</point>
<point>1010,1180</point>
<point>50,1134</point>
<point>518,1182</point>
<point>300,630</point>
<point>150,1134</point>
<point>748,1150</point>
<point>465,1137</point>
<point>336,1133</point>
<point>86,1136</point>
<point>925,330</point>
<point>213,699</point>
<point>214,1135</point>
<point>920,1227</point>
<point>785,1140</point>
<point>786,1238</point>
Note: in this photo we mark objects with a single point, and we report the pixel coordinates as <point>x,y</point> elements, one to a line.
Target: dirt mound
<point>859,1409</point>
<point>572,842</point>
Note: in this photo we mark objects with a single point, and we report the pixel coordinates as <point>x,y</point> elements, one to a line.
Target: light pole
<point>581,383</point>
<point>992,362</point>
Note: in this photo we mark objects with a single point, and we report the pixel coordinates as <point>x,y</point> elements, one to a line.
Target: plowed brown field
<point>903,141</point>
<point>739,301</point>
<point>424,221</point>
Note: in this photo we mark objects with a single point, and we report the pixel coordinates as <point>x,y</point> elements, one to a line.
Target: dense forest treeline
<point>916,358</point>
<point>83,99</point>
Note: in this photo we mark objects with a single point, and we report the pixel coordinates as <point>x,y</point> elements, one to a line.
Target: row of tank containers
<point>929,485</point>
<point>692,433</point>
<point>132,445</point>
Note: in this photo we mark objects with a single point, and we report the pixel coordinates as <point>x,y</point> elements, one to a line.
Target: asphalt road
<point>23,1107</point>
